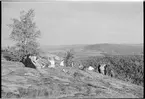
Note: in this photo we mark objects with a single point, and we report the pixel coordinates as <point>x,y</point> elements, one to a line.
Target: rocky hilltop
<point>21,82</point>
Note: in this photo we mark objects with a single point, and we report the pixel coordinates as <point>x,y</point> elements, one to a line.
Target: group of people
<point>106,70</point>
<point>36,62</point>
<point>101,68</point>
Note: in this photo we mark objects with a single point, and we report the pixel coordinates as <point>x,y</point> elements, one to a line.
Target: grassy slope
<point>55,83</point>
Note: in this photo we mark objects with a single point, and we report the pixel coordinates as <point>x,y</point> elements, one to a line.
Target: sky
<point>66,23</point>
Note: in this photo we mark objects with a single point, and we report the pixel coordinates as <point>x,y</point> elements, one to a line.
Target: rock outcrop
<point>22,82</point>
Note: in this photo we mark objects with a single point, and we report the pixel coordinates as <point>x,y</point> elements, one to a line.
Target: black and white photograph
<point>72,49</point>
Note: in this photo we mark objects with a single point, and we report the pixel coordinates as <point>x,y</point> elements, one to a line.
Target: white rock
<point>90,68</point>
<point>65,71</point>
<point>62,63</point>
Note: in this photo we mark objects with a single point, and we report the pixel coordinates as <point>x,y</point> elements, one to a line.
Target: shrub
<point>125,67</point>
<point>68,59</point>
<point>13,54</point>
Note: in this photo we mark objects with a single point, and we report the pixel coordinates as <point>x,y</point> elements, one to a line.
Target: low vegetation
<point>126,67</point>
<point>68,59</point>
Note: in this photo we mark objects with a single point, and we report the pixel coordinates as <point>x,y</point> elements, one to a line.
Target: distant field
<point>97,49</point>
<point>77,54</point>
<point>87,54</point>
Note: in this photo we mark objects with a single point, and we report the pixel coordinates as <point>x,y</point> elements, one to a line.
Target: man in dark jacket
<point>27,62</point>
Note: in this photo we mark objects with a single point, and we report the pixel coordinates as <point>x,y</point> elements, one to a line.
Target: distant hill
<point>113,49</point>
<point>116,48</point>
<point>62,47</point>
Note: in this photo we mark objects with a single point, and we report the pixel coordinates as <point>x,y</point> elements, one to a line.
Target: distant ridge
<point>113,49</point>
<point>116,48</point>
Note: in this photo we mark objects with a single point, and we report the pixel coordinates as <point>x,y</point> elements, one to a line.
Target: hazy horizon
<point>70,23</point>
